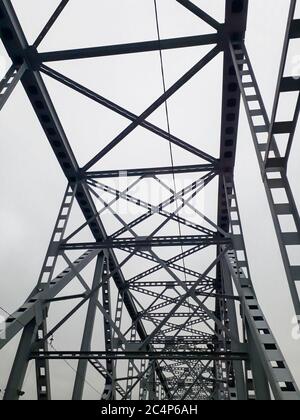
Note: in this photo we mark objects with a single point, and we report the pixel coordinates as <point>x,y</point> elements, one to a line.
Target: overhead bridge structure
<point>171,331</point>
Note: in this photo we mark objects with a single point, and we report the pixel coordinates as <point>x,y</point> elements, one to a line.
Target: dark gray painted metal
<point>279,376</point>
<point>239,378</point>
<point>145,172</point>
<point>200,13</point>
<point>152,108</point>
<point>126,114</point>
<point>159,241</point>
<point>109,392</point>
<point>286,205</point>
<point>139,47</point>
<point>42,368</point>
<point>9,82</point>
<point>51,22</point>
<point>73,355</point>
<point>227,362</point>
<point>284,85</point>
<point>34,307</point>
<point>16,45</point>
<point>17,375</point>
<point>260,381</point>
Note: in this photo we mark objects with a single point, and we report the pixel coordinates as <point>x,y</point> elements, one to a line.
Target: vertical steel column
<point>266,359</point>
<point>88,330</point>
<point>18,372</point>
<point>285,85</point>
<point>110,391</point>
<point>116,343</point>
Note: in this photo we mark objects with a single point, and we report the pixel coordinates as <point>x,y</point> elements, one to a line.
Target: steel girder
<point>9,82</point>
<point>140,355</point>
<point>285,85</point>
<point>229,356</point>
<point>159,241</point>
<point>193,41</point>
<point>151,171</point>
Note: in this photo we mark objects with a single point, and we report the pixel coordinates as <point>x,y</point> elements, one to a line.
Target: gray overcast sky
<point>32,183</point>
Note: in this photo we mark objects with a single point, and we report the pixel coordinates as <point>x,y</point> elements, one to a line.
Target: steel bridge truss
<point>171,332</point>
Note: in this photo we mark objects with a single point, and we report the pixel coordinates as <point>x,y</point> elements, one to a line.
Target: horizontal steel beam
<point>148,172</point>
<point>35,306</point>
<point>168,284</point>
<point>151,242</point>
<point>102,355</point>
<point>9,82</point>
<point>137,47</point>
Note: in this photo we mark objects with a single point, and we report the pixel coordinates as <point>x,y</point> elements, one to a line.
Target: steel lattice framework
<point>180,336</point>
